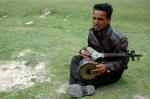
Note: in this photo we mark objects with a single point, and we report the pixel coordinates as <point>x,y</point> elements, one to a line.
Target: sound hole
<point>88,71</point>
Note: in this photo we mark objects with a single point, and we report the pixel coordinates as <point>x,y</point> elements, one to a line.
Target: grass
<point>59,40</point>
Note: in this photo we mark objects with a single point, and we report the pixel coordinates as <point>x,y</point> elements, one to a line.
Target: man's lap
<point>103,79</point>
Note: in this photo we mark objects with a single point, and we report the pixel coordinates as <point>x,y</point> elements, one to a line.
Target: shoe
<point>76,90</point>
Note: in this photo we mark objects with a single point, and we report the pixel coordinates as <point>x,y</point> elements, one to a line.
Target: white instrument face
<point>95,54</point>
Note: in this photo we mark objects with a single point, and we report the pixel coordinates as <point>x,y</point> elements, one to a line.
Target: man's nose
<point>96,21</point>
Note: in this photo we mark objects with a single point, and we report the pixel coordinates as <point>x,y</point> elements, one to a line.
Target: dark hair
<point>104,7</point>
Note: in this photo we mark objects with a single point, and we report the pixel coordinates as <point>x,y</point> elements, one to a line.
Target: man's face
<point>99,20</point>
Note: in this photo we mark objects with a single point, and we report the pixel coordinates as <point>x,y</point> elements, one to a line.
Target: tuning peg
<point>133,58</point>
<point>132,51</point>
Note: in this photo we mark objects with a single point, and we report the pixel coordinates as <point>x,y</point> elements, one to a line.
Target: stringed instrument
<point>87,64</point>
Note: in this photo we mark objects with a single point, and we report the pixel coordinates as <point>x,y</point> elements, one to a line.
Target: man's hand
<point>100,69</point>
<point>85,53</point>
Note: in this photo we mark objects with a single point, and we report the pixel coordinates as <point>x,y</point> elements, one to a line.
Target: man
<point>103,38</point>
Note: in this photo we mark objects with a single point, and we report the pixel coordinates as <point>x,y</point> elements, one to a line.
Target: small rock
<point>65,19</point>
<point>5,16</point>
<point>45,13</point>
<point>29,23</point>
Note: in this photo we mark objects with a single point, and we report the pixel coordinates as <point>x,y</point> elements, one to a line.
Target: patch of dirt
<point>14,74</point>
<point>45,13</point>
<point>140,97</point>
<point>25,52</point>
<point>19,28</point>
<point>62,88</point>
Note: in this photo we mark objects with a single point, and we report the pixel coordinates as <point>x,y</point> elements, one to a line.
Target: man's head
<point>101,16</point>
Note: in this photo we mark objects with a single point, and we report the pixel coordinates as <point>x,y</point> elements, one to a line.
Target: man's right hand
<point>85,53</point>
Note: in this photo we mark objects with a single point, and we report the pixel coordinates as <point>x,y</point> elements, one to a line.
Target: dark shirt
<point>110,41</point>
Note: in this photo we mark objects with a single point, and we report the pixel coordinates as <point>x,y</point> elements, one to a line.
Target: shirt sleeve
<point>118,64</point>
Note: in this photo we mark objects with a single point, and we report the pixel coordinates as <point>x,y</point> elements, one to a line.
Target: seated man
<point>104,39</point>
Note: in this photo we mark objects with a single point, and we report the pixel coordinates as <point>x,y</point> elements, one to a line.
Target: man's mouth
<point>96,26</point>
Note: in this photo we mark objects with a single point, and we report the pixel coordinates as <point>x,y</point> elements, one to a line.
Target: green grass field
<point>61,34</point>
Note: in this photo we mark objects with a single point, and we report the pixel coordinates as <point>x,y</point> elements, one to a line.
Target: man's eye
<point>94,18</point>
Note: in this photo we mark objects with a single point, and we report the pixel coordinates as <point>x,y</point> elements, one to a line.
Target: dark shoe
<point>76,90</point>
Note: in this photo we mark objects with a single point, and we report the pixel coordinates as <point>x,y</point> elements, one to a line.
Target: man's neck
<point>101,31</point>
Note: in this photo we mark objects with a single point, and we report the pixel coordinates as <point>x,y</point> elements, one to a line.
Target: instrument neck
<point>114,54</point>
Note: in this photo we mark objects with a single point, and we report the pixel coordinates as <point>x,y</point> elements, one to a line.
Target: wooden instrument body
<point>85,67</point>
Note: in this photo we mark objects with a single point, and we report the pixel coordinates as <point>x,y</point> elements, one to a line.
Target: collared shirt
<point>110,41</point>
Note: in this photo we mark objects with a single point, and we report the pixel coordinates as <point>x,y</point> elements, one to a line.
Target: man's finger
<point>87,53</point>
<point>97,74</point>
<point>96,63</point>
<point>96,71</point>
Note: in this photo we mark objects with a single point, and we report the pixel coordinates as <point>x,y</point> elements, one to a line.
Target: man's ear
<point>109,20</point>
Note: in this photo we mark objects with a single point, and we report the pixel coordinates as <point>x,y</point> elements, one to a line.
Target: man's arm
<point>118,64</point>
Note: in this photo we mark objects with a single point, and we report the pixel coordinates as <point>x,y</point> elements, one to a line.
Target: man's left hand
<point>100,69</point>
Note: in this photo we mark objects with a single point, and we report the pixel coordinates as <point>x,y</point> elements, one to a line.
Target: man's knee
<point>76,59</point>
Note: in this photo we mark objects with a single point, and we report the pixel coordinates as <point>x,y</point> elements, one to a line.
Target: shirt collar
<point>104,31</point>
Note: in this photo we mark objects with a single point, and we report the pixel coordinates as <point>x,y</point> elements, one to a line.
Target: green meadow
<point>62,33</point>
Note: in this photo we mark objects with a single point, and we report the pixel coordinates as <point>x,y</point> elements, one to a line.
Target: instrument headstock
<point>132,55</point>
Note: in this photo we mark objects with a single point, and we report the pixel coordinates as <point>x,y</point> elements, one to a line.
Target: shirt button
<point>108,71</point>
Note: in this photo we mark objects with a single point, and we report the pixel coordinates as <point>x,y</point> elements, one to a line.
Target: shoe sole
<point>76,90</point>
